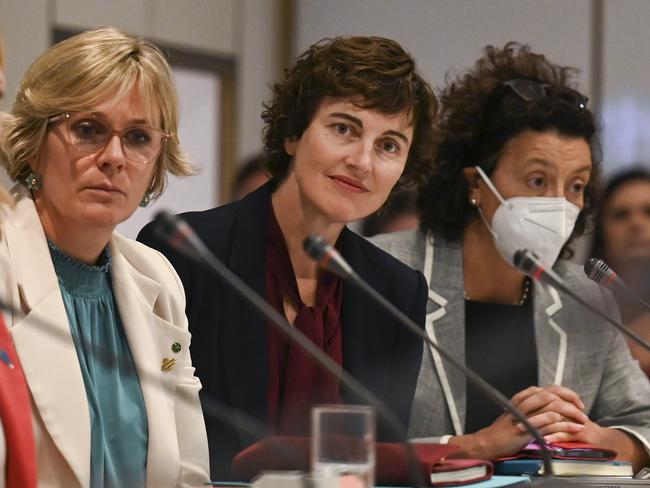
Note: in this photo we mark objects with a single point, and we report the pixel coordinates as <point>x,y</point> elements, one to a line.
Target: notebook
<point>608,481</point>
<point>458,471</point>
<point>563,467</point>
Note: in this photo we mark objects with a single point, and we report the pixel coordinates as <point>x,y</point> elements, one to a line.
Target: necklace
<point>524,294</point>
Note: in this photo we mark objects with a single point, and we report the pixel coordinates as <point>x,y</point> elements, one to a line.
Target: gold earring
<point>33,181</point>
<point>146,199</point>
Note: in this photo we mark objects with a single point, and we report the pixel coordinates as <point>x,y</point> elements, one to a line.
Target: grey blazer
<point>575,348</point>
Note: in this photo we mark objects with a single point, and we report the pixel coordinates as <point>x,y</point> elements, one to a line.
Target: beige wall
<point>22,44</point>
<point>626,83</point>
<point>202,24</point>
<point>446,35</point>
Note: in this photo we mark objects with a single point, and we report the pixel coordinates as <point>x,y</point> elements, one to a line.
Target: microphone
<point>527,262</point>
<point>179,235</point>
<point>325,255</point>
<point>597,270</point>
<point>330,259</point>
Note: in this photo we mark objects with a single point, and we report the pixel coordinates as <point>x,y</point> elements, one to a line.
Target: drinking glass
<point>343,444</point>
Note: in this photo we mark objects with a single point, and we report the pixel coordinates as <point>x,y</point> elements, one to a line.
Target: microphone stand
<point>597,270</point>
<point>323,253</point>
<point>179,235</point>
<point>528,263</point>
<point>210,406</point>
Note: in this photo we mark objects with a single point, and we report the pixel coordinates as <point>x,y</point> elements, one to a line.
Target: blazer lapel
<point>243,329</point>
<point>561,360</point>
<point>150,339</point>
<point>44,342</point>
<point>550,337</point>
<point>443,269</point>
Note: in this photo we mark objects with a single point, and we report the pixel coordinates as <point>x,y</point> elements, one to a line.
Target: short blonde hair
<point>79,74</point>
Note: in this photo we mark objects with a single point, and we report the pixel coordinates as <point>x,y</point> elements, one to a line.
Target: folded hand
<point>552,410</point>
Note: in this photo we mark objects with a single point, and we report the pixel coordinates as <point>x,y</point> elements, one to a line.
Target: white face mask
<point>540,224</point>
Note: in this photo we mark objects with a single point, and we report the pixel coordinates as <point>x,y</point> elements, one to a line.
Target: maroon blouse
<point>295,382</point>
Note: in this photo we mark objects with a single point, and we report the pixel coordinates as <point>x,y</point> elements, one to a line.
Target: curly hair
<point>374,73</point>
<point>480,114</point>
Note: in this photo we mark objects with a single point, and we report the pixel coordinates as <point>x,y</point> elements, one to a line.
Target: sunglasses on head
<point>533,91</point>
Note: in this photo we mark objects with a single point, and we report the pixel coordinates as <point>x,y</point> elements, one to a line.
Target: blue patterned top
<point>118,417</point>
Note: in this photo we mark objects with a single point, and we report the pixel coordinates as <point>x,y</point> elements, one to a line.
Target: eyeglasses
<point>533,91</point>
<point>85,131</point>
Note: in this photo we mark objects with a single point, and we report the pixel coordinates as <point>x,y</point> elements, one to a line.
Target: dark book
<point>564,467</point>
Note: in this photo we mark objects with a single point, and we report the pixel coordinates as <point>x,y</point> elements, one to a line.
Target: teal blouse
<point>118,418</point>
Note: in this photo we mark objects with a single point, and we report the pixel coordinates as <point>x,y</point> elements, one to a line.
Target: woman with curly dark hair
<point>517,167</point>
<point>350,120</point>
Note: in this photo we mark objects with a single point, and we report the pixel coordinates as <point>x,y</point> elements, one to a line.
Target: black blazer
<point>229,340</point>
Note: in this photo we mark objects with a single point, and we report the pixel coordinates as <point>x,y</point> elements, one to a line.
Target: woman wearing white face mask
<point>516,168</point>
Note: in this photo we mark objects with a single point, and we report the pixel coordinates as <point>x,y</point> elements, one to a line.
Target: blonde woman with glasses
<point>99,324</point>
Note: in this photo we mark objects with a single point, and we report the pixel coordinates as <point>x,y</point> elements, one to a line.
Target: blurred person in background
<point>17,452</point>
<point>622,240</point>
<point>249,177</point>
<point>516,168</point>
<point>102,335</point>
<point>350,120</point>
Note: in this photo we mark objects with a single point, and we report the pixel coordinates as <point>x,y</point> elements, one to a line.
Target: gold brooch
<point>167,364</point>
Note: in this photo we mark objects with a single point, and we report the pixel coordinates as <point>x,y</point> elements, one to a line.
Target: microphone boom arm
<point>323,253</point>
<point>529,264</point>
<point>494,395</point>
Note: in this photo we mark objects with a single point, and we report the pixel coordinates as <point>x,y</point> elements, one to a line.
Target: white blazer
<point>151,303</point>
